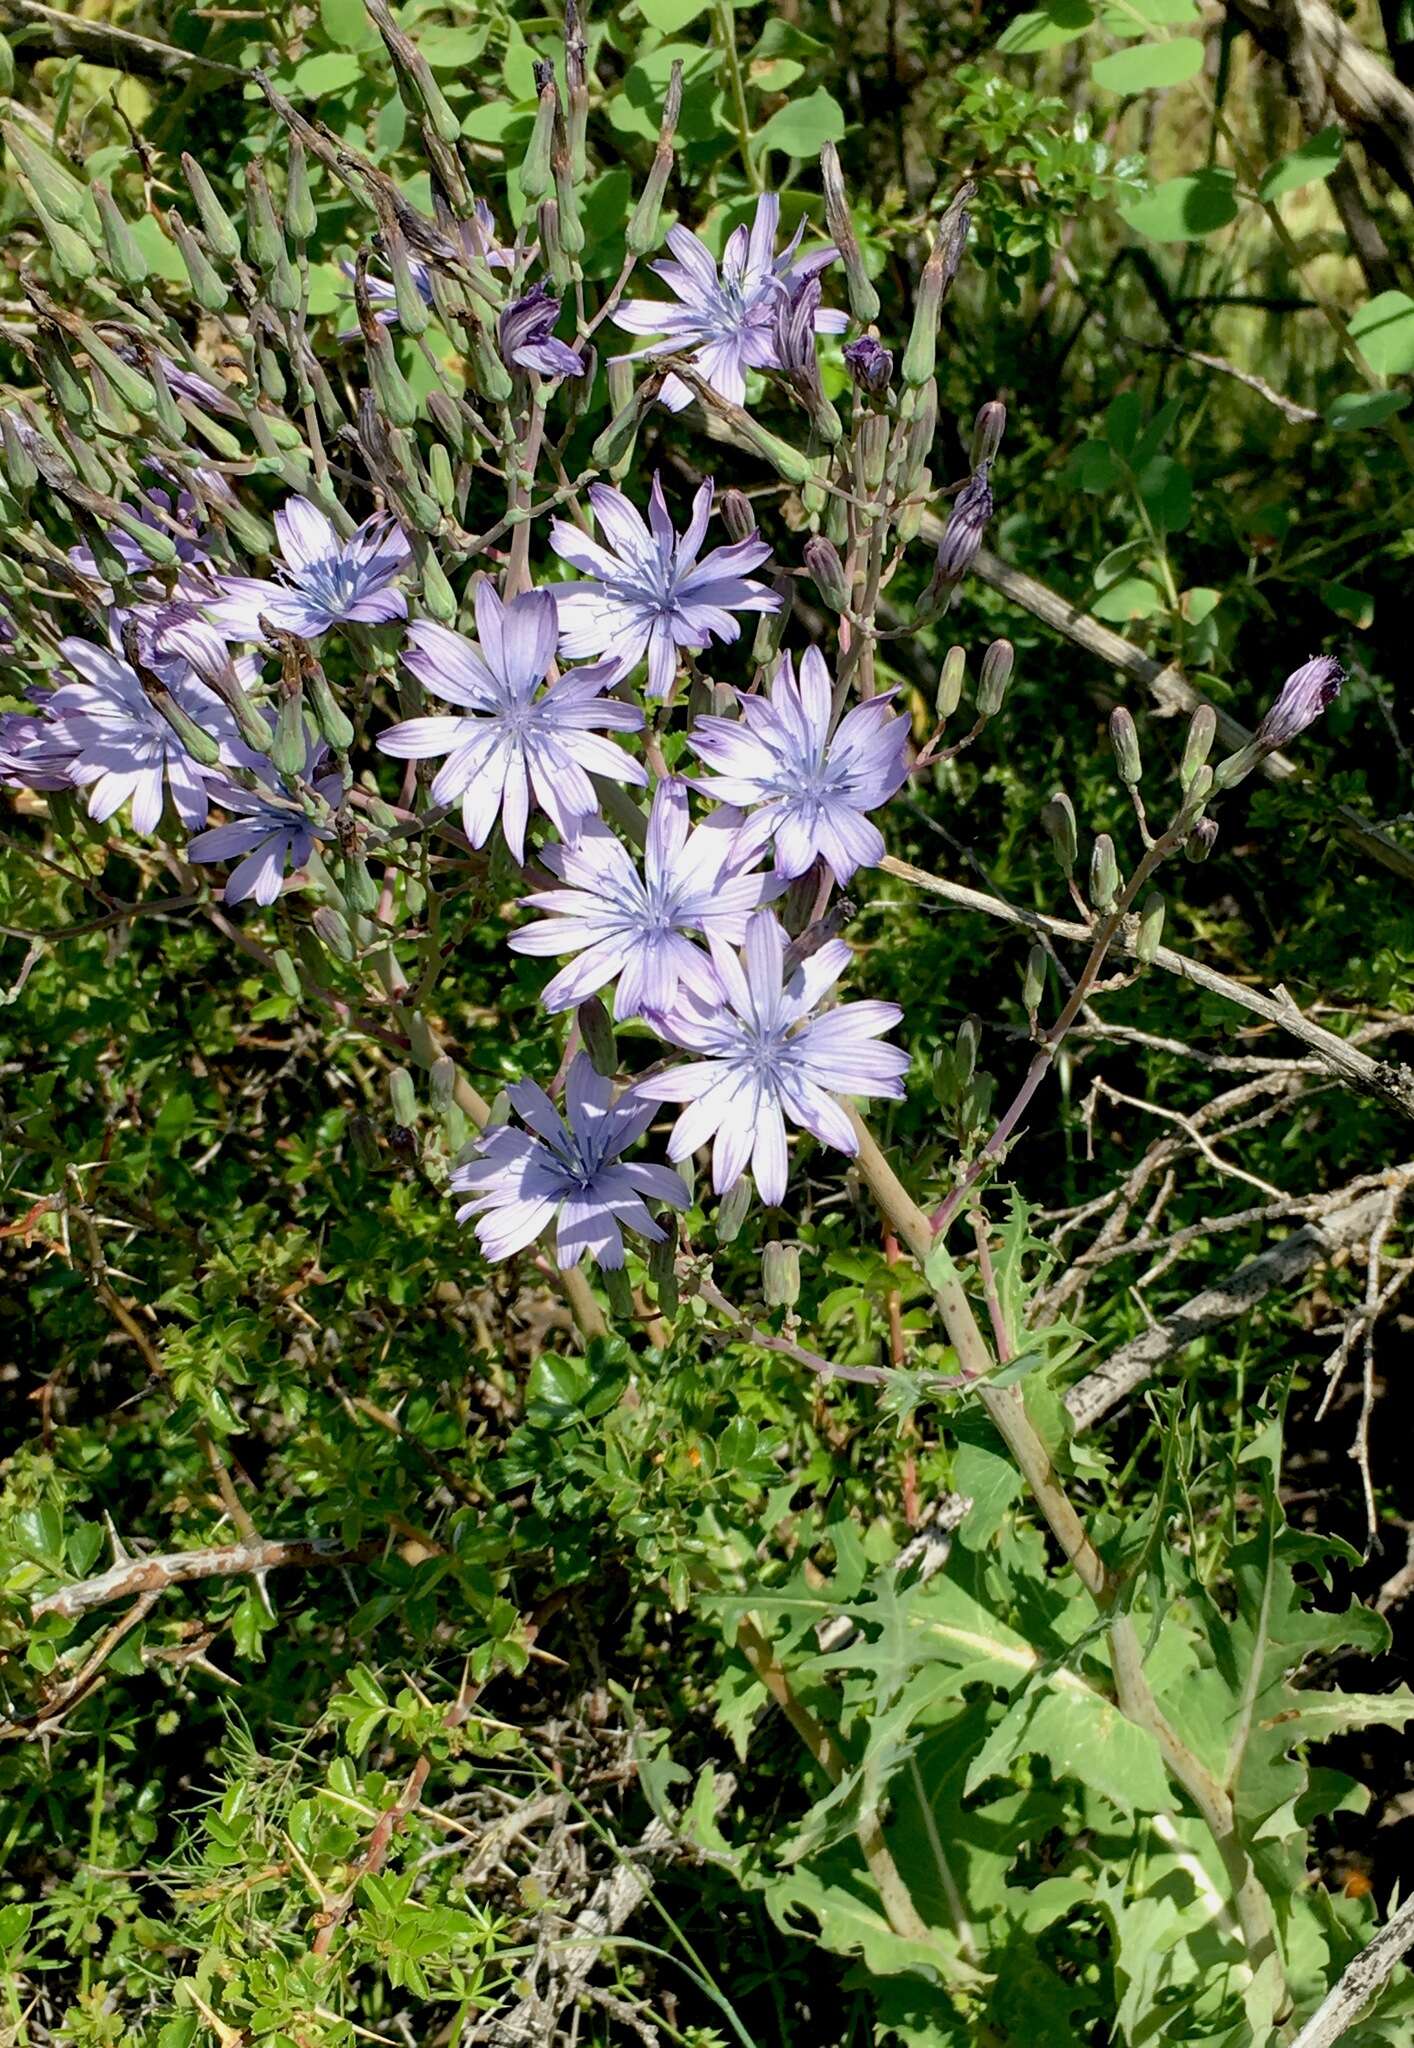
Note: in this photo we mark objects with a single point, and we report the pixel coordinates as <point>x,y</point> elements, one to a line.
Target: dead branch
<point>136,1575</point>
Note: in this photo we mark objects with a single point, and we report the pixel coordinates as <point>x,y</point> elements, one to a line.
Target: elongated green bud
<point>438,597</point>
<point>996,674</point>
<point>552,247</point>
<point>207,287</point>
<point>442,1081</point>
<point>780,1274</point>
<point>7,68</point>
<point>950,681</point>
<point>577,90</point>
<point>919,437</point>
<point>414,317</point>
<point>920,357</point>
<point>567,199</point>
<point>334,724</point>
<point>598,1036</point>
<point>489,374</point>
<point>131,386</point>
<point>287,974</point>
<point>301,216</point>
<point>662,1267</point>
<point>71,250</point>
<point>771,626</point>
<point>615,443</point>
<point>1151,929</point>
<point>863,299</point>
<point>1104,872</point>
<point>160,548</point>
<point>874,434</point>
<point>1058,817</point>
<point>265,240</point>
<point>536,171</point>
<point>1033,987</point>
<point>732,1211</point>
<point>645,222</point>
<point>21,470</point>
<point>60,372</point>
<point>63,197</point>
<point>1202,729</point>
<point>216,224</point>
<point>171,425</point>
<point>333,929</point>
<point>1124,738</point>
<point>125,258</point>
<point>397,400</point>
<point>966,1047</point>
<point>290,747</point>
<point>360,891</point>
<point>442,477</point>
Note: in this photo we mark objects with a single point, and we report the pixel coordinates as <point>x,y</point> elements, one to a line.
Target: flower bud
<point>771,626</point>
<point>397,401</point>
<point>7,68</point>
<point>289,749</point>
<point>863,299</point>
<point>963,535</point>
<point>535,171</point>
<point>287,974</point>
<point>922,417</point>
<point>987,431</point>
<point>577,89</point>
<point>301,217</point>
<point>21,470</point>
<point>732,1211</point>
<point>737,515</point>
<point>1033,986</point>
<point>920,357</point>
<point>207,286</point>
<point>216,223</point>
<point>662,1267</point>
<point>57,191</point>
<point>1104,872</point>
<point>414,318</point>
<point>598,1035</point>
<point>1201,840</point>
<point>333,723</point>
<point>71,249</point>
<point>822,559</point>
<point>442,1081</point>
<point>439,600</point>
<point>1305,694</point>
<point>966,1046</point>
<point>567,200</point>
<point>870,364</point>
<point>641,234</point>
<point>950,681</point>
<point>996,674</point>
<point>1058,818</point>
<point>1124,738</point>
<point>874,433</point>
<point>125,258</point>
<point>403,1097</point>
<point>780,1274</point>
<point>1198,743</point>
<point>1151,929</point>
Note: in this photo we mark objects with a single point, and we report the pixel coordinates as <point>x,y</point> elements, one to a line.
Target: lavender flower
<point>326,580</point>
<point>268,835</point>
<point>520,1182</point>
<point>526,331</point>
<point>124,747</point>
<point>515,743</point>
<point>870,364</point>
<point>36,752</point>
<point>1305,694</point>
<point>649,591</point>
<point>635,926</point>
<point>766,1059</point>
<point>727,318</point>
<point>813,786</point>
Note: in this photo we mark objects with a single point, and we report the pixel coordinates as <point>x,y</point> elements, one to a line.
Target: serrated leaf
<point>1083,1736</point>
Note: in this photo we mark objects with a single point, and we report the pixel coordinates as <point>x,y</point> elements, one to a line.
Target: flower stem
<point>726,29</point>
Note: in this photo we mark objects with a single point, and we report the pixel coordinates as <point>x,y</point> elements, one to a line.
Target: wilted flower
<point>326,581</point>
<point>514,743</point>
<point>520,1181</point>
<point>813,786</point>
<point>649,591</point>
<point>727,318</point>
<point>478,239</point>
<point>766,1059</point>
<point>634,927</point>
<point>269,835</point>
<point>124,747</point>
<point>1305,694</point>
<point>526,330</point>
<point>35,752</point>
<point>962,537</point>
<point>870,364</point>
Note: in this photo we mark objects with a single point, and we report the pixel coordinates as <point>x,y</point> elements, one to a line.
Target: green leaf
<point>1167,491</point>
<point>1061,22</point>
<point>668,16</point>
<point>1185,209</point>
<point>1145,67</point>
<point>1356,409</point>
<point>1133,597</point>
<point>1083,1736</point>
<point>452,49</point>
<point>555,1390</point>
<point>802,127</point>
<point>346,24</point>
<point>1133,16</point>
<point>163,258</point>
<point>1356,606</point>
<point>326,74</point>
<point>1383,331</point>
<point>1316,158</point>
